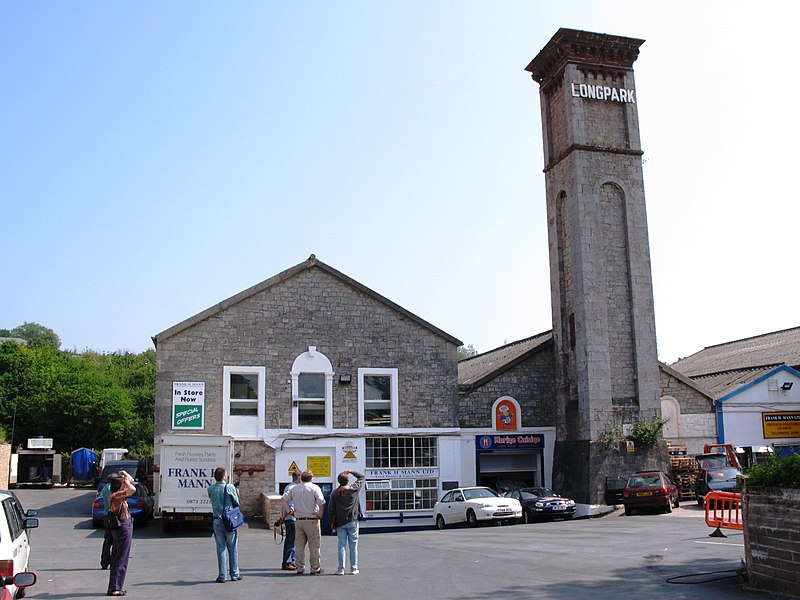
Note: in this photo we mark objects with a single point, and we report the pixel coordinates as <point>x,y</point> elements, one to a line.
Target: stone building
<point>604,338</point>
<point>311,369</point>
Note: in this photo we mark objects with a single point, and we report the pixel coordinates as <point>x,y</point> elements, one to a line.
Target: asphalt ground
<point>637,557</point>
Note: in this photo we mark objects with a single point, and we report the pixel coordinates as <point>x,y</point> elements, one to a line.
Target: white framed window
<point>402,455</point>
<point>243,392</point>
<point>377,398</point>
<point>312,390</point>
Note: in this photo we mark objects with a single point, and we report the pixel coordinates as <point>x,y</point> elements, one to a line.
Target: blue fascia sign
<point>505,441</point>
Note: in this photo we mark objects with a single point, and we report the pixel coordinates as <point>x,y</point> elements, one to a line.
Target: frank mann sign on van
<point>188,404</point>
<point>602,92</point>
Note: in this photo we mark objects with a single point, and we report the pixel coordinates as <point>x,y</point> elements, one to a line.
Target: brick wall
<point>771,519</point>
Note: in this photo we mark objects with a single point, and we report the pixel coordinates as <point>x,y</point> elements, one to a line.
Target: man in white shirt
<point>309,505</point>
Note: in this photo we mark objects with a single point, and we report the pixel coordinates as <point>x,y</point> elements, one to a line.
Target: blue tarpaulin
<point>83,465</point>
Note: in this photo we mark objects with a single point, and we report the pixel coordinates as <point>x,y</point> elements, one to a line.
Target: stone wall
<point>276,323</point>
<point>530,383</point>
<point>771,518</point>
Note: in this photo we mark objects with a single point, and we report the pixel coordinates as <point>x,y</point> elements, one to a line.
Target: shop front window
<point>397,458</point>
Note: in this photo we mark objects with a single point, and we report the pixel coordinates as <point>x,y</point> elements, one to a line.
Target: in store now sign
<point>188,404</point>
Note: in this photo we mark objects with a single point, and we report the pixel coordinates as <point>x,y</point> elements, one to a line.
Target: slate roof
<point>312,263</point>
<point>477,370</point>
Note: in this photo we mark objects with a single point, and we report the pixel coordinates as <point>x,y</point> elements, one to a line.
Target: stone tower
<point>601,285</point>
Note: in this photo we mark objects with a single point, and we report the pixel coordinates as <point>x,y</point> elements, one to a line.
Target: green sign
<point>188,404</point>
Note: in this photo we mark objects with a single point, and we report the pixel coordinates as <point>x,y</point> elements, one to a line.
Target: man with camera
<point>288,521</point>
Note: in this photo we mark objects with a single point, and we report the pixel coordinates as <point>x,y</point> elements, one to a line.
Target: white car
<point>473,505</point>
<point>14,546</point>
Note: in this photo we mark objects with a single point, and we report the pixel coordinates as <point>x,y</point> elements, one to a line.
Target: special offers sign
<point>188,404</point>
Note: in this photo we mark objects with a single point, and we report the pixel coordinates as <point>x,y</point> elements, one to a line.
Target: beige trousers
<point>307,531</point>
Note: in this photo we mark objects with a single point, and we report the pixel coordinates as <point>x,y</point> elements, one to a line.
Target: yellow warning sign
<point>349,455</point>
<point>319,465</point>
<point>293,467</point>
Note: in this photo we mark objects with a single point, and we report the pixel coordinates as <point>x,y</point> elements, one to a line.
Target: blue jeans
<point>348,535</point>
<point>227,544</point>
<point>288,543</point>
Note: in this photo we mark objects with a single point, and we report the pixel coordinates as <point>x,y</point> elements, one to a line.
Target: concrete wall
<point>771,518</point>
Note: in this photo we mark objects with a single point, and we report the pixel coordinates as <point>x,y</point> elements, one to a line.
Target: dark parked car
<point>720,479</point>
<point>540,503</point>
<point>615,489</point>
<point>651,489</point>
<point>140,505</point>
<point>131,467</point>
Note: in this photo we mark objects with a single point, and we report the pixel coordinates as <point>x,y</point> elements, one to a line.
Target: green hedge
<point>781,472</point>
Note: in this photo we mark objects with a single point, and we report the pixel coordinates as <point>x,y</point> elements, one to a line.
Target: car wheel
<point>96,523</point>
<point>568,518</point>
<point>700,501</point>
<point>21,593</point>
<point>440,524</point>
<point>526,516</point>
<point>472,520</point>
<point>668,508</point>
<point>677,502</point>
<point>628,511</point>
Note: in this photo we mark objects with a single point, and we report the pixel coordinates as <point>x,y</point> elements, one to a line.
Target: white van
<point>14,544</point>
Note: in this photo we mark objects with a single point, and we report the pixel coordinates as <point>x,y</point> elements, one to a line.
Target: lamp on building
<point>787,385</point>
<point>345,378</point>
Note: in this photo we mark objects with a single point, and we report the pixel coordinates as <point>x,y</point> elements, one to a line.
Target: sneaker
<point>354,572</point>
<point>289,567</point>
<point>236,578</point>
<point>298,572</point>
<point>220,580</point>
<point>340,572</point>
<point>318,572</point>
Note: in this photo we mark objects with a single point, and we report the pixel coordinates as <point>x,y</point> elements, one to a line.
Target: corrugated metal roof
<point>722,384</point>
<point>769,349</point>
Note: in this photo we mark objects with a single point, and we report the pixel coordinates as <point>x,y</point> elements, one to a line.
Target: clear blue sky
<point>159,157</point>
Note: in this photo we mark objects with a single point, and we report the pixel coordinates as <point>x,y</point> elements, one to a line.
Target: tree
<point>466,351</point>
<point>35,334</point>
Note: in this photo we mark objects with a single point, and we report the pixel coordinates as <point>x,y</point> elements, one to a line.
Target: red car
<point>651,489</point>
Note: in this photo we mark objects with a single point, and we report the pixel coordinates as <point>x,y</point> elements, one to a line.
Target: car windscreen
<point>480,493</point>
<point>644,481</point>
<point>728,474</point>
<point>115,468</point>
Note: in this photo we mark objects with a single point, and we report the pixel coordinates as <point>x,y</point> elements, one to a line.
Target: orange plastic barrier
<point>724,510</point>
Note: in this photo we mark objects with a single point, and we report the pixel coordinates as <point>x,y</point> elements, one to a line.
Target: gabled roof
<point>778,347</point>
<point>768,373</point>
<point>685,380</point>
<point>723,383</point>
<point>475,371</point>
<point>311,263</point>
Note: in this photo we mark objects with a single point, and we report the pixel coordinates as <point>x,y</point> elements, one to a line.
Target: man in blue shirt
<point>223,496</point>
<point>289,524</point>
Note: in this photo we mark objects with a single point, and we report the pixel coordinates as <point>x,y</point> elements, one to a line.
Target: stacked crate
<point>684,472</point>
